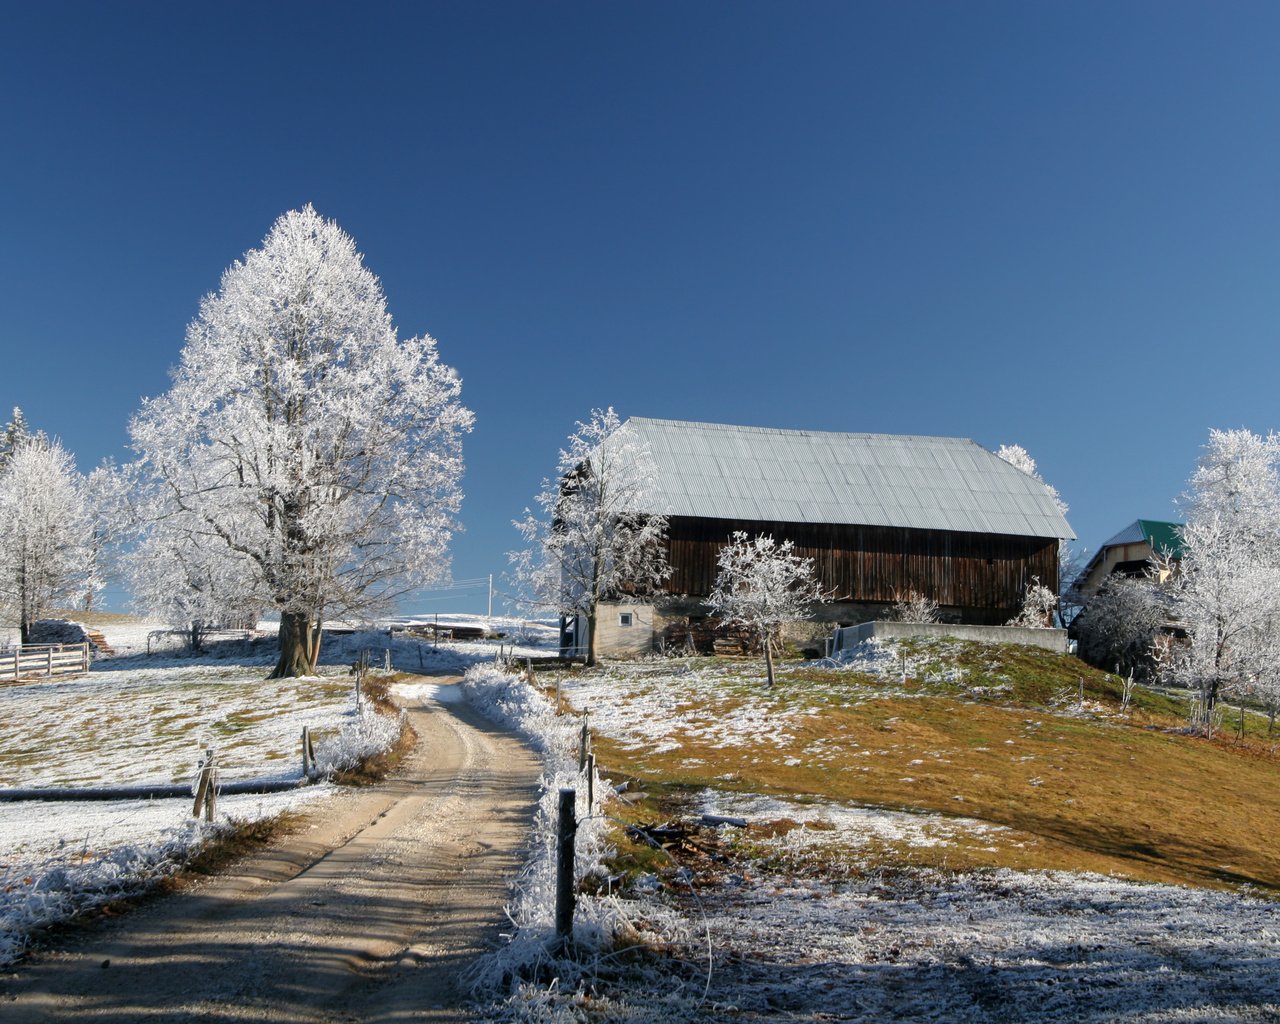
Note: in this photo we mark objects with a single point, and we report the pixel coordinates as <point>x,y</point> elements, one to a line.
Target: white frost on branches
<point>1069,559</point>
<point>304,451</point>
<point>1019,458</point>
<point>365,733</point>
<point>762,585</point>
<point>1038,603</point>
<point>1228,587</point>
<point>597,532</point>
<point>1121,625</point>
<point>46,533</point>
<point>914,607</point>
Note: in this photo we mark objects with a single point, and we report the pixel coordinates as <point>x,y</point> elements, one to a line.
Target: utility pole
<point>491,597</point>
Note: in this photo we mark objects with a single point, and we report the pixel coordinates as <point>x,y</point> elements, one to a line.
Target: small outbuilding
<point>880,515</point>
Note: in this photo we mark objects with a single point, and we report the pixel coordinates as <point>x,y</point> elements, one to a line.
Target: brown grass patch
<point>1079,789</point>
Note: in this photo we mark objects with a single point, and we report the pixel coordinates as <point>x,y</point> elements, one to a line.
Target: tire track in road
<point>369,915</point>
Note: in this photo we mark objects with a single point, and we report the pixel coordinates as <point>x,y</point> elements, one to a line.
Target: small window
<point>624,618</point>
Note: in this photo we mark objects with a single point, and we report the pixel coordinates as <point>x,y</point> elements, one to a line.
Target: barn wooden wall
<point>876,563</point>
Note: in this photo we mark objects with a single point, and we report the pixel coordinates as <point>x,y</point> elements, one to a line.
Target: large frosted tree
<point>597,532</point>
<point>46,533</point>
<point>303,442</point>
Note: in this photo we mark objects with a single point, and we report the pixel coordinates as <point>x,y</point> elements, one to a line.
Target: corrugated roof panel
<point>728,472</point>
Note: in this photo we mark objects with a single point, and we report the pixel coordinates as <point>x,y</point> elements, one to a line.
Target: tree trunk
<point>768,658</point>
<point>314,649</point>
<point>591,637</point>
<point>1210,703</point>
<point>295,647</point>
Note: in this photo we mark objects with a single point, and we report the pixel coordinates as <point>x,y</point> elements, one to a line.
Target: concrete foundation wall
<point>1049,639</point>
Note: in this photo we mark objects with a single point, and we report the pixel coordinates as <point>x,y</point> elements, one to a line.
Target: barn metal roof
<point>718,471</point>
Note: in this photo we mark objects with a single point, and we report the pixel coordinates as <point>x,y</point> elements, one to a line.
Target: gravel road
<point>367,915</point>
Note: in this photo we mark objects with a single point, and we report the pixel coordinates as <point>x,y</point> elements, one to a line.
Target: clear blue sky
<point>1056,224</point>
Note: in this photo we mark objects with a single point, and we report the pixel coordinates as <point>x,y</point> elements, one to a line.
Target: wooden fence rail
<point>26,661</point>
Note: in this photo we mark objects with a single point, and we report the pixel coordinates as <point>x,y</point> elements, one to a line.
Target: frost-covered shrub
<point>1120,624</point>
<point>364,734</point>
<point>35,896</point>
<point>1038,602</point>
<point>873,656</point>
<point>914,607</point>
<point>509,700</point>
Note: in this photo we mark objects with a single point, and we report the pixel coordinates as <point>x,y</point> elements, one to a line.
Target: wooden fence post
<point>48,654</point>
<point>568,828</point>
<point>211,796</point>
<point>202,790</point>
<point>584,743</point>
<point>591,784</point>
<point>388,659</point>
<point>308,754</point>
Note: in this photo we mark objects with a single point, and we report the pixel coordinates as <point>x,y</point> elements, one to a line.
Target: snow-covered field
<point>801,925</point>
<point>995,946</point>
<point>144,719</point>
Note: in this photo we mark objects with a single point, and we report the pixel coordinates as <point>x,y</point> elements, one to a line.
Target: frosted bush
<point>510,701</point>
<point>914,607</point>
<point>874,657</point>
<point>364,734</point>
<point>35,896</point>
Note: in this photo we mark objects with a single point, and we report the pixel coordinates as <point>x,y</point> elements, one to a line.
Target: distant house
<point>1129,553</point>
<point>880,515</point>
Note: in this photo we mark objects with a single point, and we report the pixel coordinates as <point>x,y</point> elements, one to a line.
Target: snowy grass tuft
<point>600,922</point>
<point>35,896</point>
<point>364,734</point>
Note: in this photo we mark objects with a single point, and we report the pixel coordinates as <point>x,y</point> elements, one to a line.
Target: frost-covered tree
<point>17,435</point>
<point>46,533</point>
<point>1228,586</point>
<point>191,587</point>
<point>304,441</point>
<point>1038,603</point>
<point>1019,458</point>
<point>914,607</point>
<point>1120,625</point>
<point>597,531</point>
<point>1069,559</point>
<point>762,585</point>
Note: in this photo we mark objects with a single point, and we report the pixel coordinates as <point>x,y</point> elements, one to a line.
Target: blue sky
<point>1055,224</point>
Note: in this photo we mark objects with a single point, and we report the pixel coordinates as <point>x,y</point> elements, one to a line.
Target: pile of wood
<point>431,629</point>
<point>685,838</point>
<point>707,636</point>
<point>99,641</point>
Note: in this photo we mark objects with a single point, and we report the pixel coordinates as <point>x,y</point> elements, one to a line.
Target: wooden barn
<point>879,514</point>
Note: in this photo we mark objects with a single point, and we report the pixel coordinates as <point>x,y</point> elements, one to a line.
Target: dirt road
<point>368,915</point>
